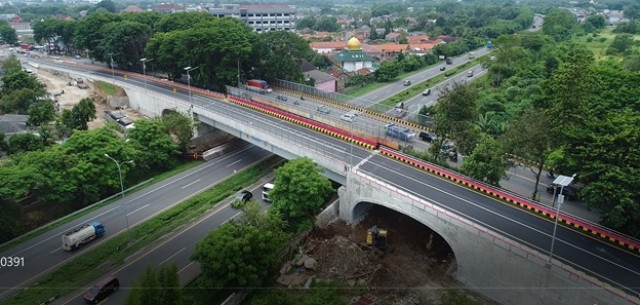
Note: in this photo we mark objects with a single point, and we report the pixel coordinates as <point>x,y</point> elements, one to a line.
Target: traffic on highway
<point>617,266</point>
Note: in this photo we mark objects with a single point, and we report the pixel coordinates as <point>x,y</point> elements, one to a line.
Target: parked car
<point>406,82</point>
<point>102,290</point>
<point>443,68</point>
<point>569,191</point>
<point>426,92</point>
<point>427,136</point>
<point>324,110</point>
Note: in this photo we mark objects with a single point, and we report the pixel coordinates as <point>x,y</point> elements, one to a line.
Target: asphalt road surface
<point>176,248</point>
<point>378,95</point>
<point>44,253</point>
<point>595,257</point>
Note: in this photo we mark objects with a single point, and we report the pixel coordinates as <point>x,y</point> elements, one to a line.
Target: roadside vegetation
<point>99,259</point>
<point>548,100</point>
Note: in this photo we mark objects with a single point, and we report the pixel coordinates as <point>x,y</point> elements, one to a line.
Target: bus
<point>265,191</point>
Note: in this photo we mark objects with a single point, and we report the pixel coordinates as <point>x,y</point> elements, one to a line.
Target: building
<point>322,81</point>
<point>262,18</point>
<point>132,9</point>
<point>353,58</point>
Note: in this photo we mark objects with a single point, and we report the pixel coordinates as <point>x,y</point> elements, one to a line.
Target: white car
<point>350,116</point>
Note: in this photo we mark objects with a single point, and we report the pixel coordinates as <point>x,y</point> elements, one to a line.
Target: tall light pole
<point>126,211</point>
<point>144,68</point>
<point>189,69</point>
<point>113,73</point>
<point>562,181</point>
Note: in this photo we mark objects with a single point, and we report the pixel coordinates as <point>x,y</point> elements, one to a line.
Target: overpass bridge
<point>501,247</point>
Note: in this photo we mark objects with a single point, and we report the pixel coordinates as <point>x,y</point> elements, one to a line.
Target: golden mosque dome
<point>353,44</point>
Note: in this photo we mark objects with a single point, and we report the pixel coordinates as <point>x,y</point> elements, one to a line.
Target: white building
<point>262,18</point>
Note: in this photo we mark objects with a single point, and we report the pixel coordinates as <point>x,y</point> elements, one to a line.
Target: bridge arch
<point>362,206</point>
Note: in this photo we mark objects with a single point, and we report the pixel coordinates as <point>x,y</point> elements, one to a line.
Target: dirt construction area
<point>412,271</point>
<point>64,88</point>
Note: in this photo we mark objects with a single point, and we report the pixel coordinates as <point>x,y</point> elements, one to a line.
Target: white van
<point>265,191</point>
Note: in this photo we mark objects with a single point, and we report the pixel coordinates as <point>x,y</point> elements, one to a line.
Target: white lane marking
<point>185,267</point>
<point>197,171</point>
<point>366,159</point>
<point>54,236</point>
<point>138,209</point>
<point>170,257</point>
<point>232,163</point>
<point>56,250</point>
<point>190,184</point>
<point>568,243</point>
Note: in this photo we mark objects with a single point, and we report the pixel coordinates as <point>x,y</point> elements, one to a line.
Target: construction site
<point>406,263</point>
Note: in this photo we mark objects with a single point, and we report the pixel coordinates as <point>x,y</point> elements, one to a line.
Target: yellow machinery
<point>377,239</point>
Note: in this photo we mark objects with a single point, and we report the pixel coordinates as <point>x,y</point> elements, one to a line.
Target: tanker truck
<point>81,235</point>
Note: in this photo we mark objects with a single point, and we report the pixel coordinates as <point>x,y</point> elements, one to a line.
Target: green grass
<point>415,90</point>
<point>599,43</point>
<point>356,92</point>
<point>64,220</point>
<point>107,88</point>
<point>99,260</point>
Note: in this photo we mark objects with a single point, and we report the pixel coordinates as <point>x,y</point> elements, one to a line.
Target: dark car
<point>569,191</point>
<point>102,290</point>
<point>443,68</point>
<point>426,92</point>
<point>282,98</point>
<point>427,136</point>
<point>243,196</point>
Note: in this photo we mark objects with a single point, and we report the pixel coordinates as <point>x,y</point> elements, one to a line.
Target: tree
<point>179,125</point>
<point>300,190</point>
<point>239,254</point>
<point>156,287</point>
<point>152,139</point>
<point>607,165</point>
<point>308,22</point>
<point>455,111</point>
<point>631,62</point>
<point>532,139</point>
<point>620,44</point>
<point>17,80</point>
<point>80,114</point>
<point>487,161</point>
<point>279,54</point>
<point>182,21</point>
<point>595,21</point>
<point>23,142</point>
<point>144,290</point>
<point>559,24</point>
<point>8,33</point>
<point>127,39</point>
<point>89,33</point>
<point>388,71</point>
<point>11,64</point>
<point>41,112</point>
<point>107,5</point>
<point>4,147</point>
<point>632,11</point>
<point>326,24</point>
<point>18,101</point>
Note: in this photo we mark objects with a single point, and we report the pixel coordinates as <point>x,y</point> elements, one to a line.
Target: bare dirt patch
<point>413,271</point>
<point>58,82</point>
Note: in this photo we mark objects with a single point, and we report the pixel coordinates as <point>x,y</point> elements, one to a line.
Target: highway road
<point>177,248</point>
<point>617,266</point>
<point>44,253</point>
<point>378,95</point>
<point>414,104</point>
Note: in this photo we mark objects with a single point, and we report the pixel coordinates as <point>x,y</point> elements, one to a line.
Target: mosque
<point>353,58</point>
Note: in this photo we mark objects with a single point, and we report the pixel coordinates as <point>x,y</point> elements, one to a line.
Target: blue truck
<point>399,132</point>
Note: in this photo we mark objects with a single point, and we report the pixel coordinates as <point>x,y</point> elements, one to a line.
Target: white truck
<point>81,235</point>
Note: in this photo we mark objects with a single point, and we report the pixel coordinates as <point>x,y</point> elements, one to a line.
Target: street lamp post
<point>144,68</point>
<point>126,212</point>
<point>113,73</point>
<point>562,181</point>
<point>189,69</point>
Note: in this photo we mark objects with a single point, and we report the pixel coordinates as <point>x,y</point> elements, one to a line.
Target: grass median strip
<point>98,261</point>
<point>67,219</point>
<point>415,90</point>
